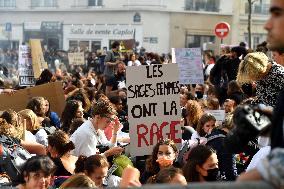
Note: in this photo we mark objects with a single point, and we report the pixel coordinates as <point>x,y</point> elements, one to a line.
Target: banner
<point>37,57</point>
<point>153,106</point>
<point>19,99</point>
<point>25,67</point>
<point>190,65</point>
<point>76,58</point>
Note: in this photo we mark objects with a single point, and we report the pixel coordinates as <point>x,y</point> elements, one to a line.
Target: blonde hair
<point>254,65</point>
<point>29,114</point>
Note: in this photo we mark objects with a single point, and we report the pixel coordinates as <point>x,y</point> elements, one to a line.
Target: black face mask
<point>213,175</point>
<point>199,94</point>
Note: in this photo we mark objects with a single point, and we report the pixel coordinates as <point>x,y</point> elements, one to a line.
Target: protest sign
<point>76,58</point>
<point>51,91</point>
<point>25,67</point>
<point>190,65</point>
<point>218,114</point>
<point>153,106</point>
<point>37,57</point>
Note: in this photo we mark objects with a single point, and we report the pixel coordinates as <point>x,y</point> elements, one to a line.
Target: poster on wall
<point>153,106</point>
<point>190,65</point>
<point>25,66</point>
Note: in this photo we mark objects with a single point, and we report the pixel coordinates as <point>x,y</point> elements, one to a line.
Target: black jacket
<point>227,162</point>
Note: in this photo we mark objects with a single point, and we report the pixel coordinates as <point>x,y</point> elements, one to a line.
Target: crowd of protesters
<point>87,144</point>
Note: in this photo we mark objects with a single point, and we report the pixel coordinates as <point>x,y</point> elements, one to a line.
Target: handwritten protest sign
<point>190,65</point>
<point>51,91</point>
<point>76,58</point>
<point>219,116</point>
<point>153,106</point>
<point>37,57</point>
<point>25,67</point>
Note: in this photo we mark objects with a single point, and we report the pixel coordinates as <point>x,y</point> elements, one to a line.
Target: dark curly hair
<point>37,164</point>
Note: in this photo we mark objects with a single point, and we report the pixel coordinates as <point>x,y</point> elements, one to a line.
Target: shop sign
<point>35,26</point>
<point>51,26</point>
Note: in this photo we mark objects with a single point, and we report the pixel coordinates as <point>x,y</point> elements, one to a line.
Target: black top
<point>277,138</point>
<point>227,162</point>
<point>60,169</point>
<point>116,81</point>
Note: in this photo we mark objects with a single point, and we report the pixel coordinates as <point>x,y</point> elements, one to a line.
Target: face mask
<point>213,175</point>
<point>93,82</point>
<point>164,162</point>
<point>199,94</point>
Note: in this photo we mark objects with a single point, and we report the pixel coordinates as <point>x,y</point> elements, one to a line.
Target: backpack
<point>12,157</point>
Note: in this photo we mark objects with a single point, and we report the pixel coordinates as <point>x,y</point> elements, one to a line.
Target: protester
<point>73,109</point>
<point>45,77</point>
<point>15,123</point>
<point>170,175</point>
<point>213,104</point>
<point>90,134</point>
<point>202,165</point>
<point>38,106</point>
<point>269,77</point>
<point>133,61</point>
<point>78,181</point>
<point>235,92</point>
<point>229,106</point>
<point>278,57</point>
<point>33,126</point>
<point>76,123</point>
<point>226,160</point>
<point>204,127</point>
<point>36,173</point>
<point>59,147</point>
<point>96,167</point>
<point>54,118</point>
<point>163,155</point>
<point>116,82</point>
<point>111,60</point>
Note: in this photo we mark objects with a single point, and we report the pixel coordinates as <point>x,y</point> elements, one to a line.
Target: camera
<point>255,120</point>
<point>249,122</point>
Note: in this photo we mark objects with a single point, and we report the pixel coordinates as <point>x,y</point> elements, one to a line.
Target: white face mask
<point>93,82</point>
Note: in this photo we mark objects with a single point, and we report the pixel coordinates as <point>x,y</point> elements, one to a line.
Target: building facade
<point>260,14</point>
<point>156,25</point>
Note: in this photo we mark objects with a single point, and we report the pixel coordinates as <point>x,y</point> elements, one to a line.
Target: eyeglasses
<point>111,119</point>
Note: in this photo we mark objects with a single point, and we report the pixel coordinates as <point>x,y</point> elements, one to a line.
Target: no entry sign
<point>222,29</point>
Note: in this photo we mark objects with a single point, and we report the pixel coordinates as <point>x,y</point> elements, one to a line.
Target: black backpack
<point>12,157</point>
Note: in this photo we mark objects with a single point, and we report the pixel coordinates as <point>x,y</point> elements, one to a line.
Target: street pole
<point>249,22</point>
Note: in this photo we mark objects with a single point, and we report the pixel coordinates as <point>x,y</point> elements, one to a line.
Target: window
<point>202,5</point>
<point>259,7</point>
<point>193,41</point>
<point>96,45</point>
<point>255,39</point>
<point>43,3</point>
<point>7,3</point>
<point>93,3</point>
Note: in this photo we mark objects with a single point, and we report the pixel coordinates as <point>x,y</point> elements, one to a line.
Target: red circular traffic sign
<point>222,29</point>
